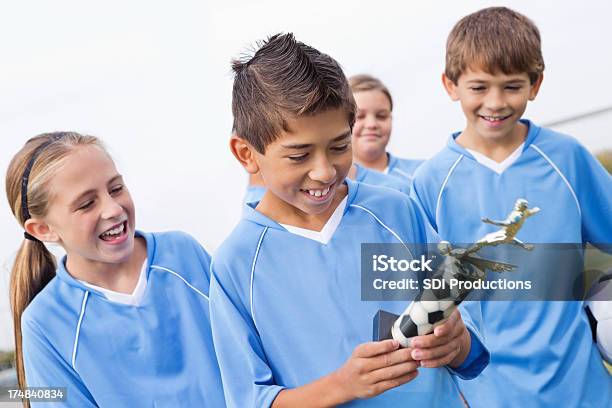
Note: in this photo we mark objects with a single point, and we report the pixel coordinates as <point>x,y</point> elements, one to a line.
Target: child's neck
<point>285,213</point>
<point>121,277</point>
<point>497,149</point>
<point>256,180</point>
<point>379,164</point>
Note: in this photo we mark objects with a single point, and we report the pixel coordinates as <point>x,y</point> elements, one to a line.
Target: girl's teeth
<point>114,231</point>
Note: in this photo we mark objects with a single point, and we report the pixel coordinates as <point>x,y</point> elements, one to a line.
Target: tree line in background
<point>7,360</point>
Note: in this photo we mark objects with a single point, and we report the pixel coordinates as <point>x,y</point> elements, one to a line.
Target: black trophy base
<point>383,322</point>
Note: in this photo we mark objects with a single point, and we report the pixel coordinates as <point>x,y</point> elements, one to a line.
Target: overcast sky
<point>153,80</point>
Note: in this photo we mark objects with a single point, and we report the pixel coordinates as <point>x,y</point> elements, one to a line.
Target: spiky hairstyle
<point>285,79</point>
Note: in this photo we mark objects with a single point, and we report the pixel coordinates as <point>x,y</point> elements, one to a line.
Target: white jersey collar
<point>132,299</point>
<point>328,229</point>
<point>499,168</point>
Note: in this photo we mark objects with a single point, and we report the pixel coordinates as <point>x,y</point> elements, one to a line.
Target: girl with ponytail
<point>123,318</point>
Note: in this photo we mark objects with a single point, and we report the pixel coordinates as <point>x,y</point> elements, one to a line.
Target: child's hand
<point>449,344</point>
<point>374,368</point>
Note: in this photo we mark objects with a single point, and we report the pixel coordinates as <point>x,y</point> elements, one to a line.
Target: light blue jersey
<point>286,310</point>
<point>376,178</point>
<point>542,353</point>
<point>402,168</point>
<point>159,353</point>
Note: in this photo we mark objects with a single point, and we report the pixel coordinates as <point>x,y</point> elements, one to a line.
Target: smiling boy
<point>289,325</point>
<point>542,352</point>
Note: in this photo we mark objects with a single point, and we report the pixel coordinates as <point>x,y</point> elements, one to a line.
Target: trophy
<point>432,307</point>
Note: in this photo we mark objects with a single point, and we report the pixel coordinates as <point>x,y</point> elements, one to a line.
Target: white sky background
<point>153,81</point>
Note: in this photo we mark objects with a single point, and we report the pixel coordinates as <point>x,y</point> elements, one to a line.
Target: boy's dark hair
<point>283,80</point>
<point>365,82</point>
<point>494,39</point>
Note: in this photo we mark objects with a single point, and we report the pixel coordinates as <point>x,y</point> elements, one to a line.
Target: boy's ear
<point>535,88</point>
<point>41,230</point>
<point>451,87</point>
<point>244,153</point>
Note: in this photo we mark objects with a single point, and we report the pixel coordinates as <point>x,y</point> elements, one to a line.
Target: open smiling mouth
<point>116,233</point>
<point>494,119</point>
<point>319,194</point>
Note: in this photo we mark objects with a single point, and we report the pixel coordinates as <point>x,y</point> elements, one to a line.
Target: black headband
<point>24,182</point>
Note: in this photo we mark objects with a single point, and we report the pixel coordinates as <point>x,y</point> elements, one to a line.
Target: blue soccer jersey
<point>542,353</point>
<point>287,310</point>
<point>402,168</point>
<point>157,353</point>
<point>376,178</point>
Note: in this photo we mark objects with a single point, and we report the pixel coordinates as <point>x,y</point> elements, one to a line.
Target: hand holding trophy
<point>432,307</point>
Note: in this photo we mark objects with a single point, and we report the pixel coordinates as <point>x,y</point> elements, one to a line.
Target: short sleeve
<point>44,367</point>
<point>594,190</point>
<point>247,378</point>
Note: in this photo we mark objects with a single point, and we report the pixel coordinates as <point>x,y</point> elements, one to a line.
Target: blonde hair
<point>494,39</point>
<point>34,265</point>
<point>365,82</point>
